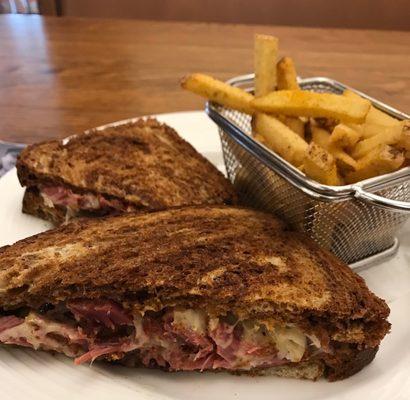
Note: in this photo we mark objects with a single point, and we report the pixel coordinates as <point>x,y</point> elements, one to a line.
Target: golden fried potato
<point>350,139</point>
<point>280,138</point>
<point>286,74</point>
<point>265,55</point>
<point>320,165</point>
<point>344,136</point>
<point>381,160</point>
<point>371,129</point>
<point>320,136</point>
<point>390,136</point>
<point>374,116</point>
<point>404,142</point>
<point>259,138</point>
<point>296,124</point>
<point>309,104</point>
<point>219,92</point>
<point>343,160</point>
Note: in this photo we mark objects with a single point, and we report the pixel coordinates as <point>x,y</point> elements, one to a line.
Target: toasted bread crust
<point>348,361</point>
<point>218,257</point>
<point>340,365</point>
<point>145,163</point>
<point>311,370</point>
<point>33,204</point>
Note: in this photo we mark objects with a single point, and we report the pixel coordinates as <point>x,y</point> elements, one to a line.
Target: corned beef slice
<point>173,339</point>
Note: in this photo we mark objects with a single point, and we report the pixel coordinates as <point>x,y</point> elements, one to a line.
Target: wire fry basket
<point>357,222</point>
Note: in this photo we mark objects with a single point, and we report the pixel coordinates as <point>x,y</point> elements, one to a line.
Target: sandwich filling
<point>74,202</point>
<point>174,339</point>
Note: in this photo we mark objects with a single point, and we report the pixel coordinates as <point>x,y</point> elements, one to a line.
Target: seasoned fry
<point>294,123</point>
<point>266,53</point>
<point>327,136</point>
<point>326,123</point>
<point>344,162</point>
<point>359,128</point>
<point>259,138</point>
<point>380,160</point>
<point>287,80</point>
<point>218,91</point>
<point>404,142</point>
<point>344,136</point>
<point>309,104</point>
<point>321,166</point>
<point>322,137</point>
<point>370,129</point>
<point>286,74</point>
<point>374,116</point>
<point>402,129</point>
<point>351,95</point>
<point>390,136</point>
<point>280,138</point>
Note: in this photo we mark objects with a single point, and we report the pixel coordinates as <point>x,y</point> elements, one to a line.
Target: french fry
<point>280,138</point>
<point>344,136</point>
<point>349,137</point>
<point>309,104</point>
<point>218,91</point>
<point>351,95</point>
<point>344,162</point>
<point>259,138</point>
<point>374,116</point>
<point>371,129</point>
<point>359,128</point>
<point>286,74</point>
<point>326,123</point>
<point>321,166</point>
<point>266,53</point>
<point>390,136</point>
<point>320,136</point>
<point>294,123</point>
<point>323,138</point>
<point>404,142</point>
<point>287,80</point>
<point>379,161</point>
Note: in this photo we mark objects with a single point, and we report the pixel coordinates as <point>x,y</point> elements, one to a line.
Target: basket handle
<point>380,201</point>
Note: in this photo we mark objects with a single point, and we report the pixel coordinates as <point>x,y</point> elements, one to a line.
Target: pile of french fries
<point>333,139</point>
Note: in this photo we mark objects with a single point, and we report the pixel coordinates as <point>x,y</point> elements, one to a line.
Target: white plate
<point>35,375</point>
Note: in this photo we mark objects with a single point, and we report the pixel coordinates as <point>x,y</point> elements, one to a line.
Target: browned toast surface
<point>33,204</point>
<point>145,163</point>
<point>216,256</point>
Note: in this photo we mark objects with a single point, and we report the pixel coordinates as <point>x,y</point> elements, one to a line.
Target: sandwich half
<point>207,288</point>
<point>143,165</point>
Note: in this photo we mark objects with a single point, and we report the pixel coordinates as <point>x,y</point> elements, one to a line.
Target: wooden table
<point>59,76</point>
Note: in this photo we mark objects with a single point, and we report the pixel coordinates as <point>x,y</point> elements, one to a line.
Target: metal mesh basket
<point>355,222</point>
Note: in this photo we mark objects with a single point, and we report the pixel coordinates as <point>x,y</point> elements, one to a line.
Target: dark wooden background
<point>360,14</point>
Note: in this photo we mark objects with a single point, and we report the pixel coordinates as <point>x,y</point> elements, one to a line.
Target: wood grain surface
<point>59,76</point>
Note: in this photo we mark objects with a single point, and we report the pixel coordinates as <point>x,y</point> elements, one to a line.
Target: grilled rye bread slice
<point>232,287</point>
<point>143,165</point>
